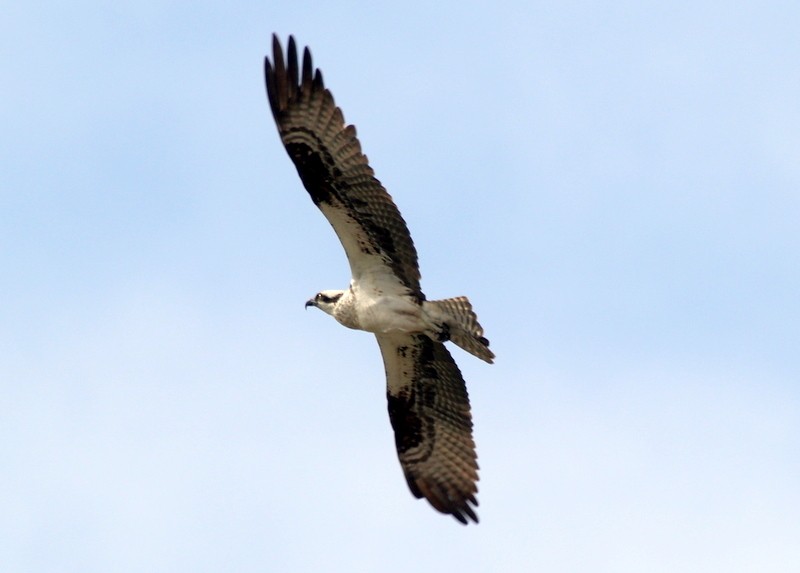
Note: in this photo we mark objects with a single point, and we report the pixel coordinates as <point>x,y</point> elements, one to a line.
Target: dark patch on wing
<point>312,170</point>
<point>334,171</point>
<point>405,421</point>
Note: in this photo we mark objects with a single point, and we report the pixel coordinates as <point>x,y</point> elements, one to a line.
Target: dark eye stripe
<point>328,299</point>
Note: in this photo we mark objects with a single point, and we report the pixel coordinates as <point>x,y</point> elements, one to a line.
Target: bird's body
<point>380,313</point>
<point>363,307</point>
<point>428,403</point>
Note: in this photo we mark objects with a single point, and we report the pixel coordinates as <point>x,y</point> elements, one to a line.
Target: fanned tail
<point>460,324</point>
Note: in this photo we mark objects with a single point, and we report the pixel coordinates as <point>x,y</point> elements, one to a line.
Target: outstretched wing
<point>430,414</point>
<point>336,173</point>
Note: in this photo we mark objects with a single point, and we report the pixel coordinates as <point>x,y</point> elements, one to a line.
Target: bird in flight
<point>428,402</point>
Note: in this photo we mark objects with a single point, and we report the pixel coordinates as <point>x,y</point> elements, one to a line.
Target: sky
<point>616,187</point>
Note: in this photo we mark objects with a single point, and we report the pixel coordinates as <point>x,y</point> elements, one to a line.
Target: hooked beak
<point>311,302</point>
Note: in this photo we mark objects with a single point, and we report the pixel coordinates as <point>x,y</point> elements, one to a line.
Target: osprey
<point>428,403</point>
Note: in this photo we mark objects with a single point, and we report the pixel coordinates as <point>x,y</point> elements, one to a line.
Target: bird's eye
<point>319,296</point>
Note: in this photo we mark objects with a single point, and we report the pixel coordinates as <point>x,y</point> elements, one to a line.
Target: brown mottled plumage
<point>335,172</point>
<point>428,403</point>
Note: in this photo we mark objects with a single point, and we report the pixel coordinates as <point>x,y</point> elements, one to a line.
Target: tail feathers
<point>460,324</point>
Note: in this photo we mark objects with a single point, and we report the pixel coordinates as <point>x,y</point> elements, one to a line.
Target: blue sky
<point>616,187</point>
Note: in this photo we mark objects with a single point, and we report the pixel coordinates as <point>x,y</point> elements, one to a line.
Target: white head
<point>326,300</point>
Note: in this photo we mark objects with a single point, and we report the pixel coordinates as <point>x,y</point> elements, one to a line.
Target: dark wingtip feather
<point>308,71</point>
<point>276,80</point>
<point>463,513</point>
<point>470,513</point>
<point>269,79</point>
<point>442,500</point>
<point>285,78</point>
<point>460,512</point>
<point>291,61</point>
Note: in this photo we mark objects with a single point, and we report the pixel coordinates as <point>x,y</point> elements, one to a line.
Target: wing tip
<point>287,77</point>
<point>445,500</point>
<point>464,513</point>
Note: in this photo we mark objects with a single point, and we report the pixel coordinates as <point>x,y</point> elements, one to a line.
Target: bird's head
<point>326,300</point>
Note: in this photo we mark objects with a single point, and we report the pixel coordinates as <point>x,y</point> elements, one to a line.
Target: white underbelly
<point>391,314</point>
